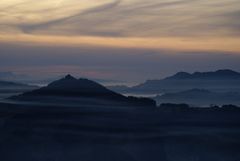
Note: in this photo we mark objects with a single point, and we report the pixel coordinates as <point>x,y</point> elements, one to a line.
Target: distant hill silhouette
<point>7,84</point>
<point>72,88</point>
<point>10,76</point>
<point>217,75</point>
<point>8,89</point>
<point>218,81</point>
<point>200,97</point>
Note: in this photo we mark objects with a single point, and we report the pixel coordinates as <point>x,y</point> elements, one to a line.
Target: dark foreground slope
<point>53,133</point>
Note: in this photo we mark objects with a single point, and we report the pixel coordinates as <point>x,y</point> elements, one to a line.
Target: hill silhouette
<point>71,88</point>
<point>224,74</point>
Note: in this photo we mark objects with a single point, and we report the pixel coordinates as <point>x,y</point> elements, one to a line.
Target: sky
<point>130,40</point>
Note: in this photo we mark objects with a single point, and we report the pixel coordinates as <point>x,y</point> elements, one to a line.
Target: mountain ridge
<point>219,74</point>
<point>221,81</point>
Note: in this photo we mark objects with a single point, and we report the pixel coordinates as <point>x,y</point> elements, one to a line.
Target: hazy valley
<point>72,119</point>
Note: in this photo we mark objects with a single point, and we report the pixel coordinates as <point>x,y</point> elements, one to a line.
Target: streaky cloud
<point>104,7</point>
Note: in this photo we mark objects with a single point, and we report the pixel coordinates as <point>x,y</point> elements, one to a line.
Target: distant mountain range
<point>218,81</point>
<point>200,97</point>
<point>219,87</point>
<point>70,89</point>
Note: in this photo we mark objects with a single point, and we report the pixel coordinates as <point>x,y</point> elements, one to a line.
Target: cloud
<point>225,44</point>
<point>128,18</point>
<point>174,18</point>
<point>27,28</point>
<point>119,39</point>
<point>196,21</point>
